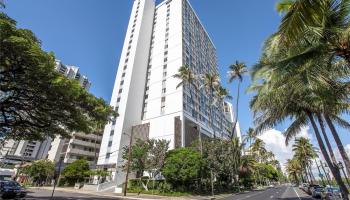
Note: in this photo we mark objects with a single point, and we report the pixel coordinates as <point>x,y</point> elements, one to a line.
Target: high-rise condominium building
<point>72,72</point>
<point>159,40</point>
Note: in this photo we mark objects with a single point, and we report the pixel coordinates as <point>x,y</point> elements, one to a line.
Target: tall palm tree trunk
<point>324,133</point>
<point>211,111</point>
<point>236,118</point>
<point>339,143</point>
<point>333,169</point>
<point>198,121</point>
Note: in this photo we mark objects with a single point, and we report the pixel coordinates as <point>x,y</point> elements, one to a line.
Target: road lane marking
<point>297,193</point>
<point>271,196</point>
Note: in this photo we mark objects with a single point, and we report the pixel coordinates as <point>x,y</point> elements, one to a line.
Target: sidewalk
<point>131,196</point>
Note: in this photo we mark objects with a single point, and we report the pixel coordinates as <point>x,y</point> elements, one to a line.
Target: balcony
<point>84,143</point>
<point>82,152</point>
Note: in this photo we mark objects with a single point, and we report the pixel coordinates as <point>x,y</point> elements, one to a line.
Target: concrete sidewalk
<point>131,196</point>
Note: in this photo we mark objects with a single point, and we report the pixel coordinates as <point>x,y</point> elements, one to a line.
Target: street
<point>279,192</point>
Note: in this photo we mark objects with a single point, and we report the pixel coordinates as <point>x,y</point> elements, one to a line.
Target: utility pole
<point>56,177</point>
<point>128,163</point>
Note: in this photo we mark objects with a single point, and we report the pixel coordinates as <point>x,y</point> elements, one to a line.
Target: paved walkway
<point>130,195</point>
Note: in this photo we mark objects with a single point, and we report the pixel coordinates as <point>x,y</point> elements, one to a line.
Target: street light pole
<point>56,178</point>
<point>128,165</point>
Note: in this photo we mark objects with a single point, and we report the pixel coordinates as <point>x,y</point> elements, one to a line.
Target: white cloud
<point>275,142</point>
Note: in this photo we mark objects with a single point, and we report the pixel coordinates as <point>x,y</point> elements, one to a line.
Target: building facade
<point>72,72</point>
<point>79,146</point>
<point>159,40</point>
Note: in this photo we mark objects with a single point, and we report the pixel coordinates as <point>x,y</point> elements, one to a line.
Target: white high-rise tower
<point>159,40</point>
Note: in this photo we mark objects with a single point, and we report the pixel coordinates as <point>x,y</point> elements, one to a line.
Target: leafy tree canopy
<point>40,170</point>
<point>35,100</point>
<point>182,165</point>
<point>76,171</point>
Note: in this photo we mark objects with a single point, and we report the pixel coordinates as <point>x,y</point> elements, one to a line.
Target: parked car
<point>311,188</point>
<point>317,191</point>
<point>304,186</point>
<point>20,191</point>
<point>7,190</point>
<point>331,193</point>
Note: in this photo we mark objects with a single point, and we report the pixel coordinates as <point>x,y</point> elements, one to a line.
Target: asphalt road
<point>46,195</point>
<point>279,192</point>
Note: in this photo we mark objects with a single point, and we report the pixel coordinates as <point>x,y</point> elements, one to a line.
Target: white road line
<point>271,196</point>
<point>296,193</point>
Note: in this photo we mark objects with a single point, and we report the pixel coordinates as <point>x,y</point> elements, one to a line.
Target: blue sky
<point>90,34</point>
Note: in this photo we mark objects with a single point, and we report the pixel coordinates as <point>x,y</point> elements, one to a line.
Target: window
<point>165,59</point>
<point>147,88</point>
<point>166,53</point>
<point>164,73</point>
<point>125,66</point>
<point>129,47</point>
<point>126,60</point>
<point>121,82</point>
<point>146,96</point>
<point>108,155</point>
<point>130,41</point>
<point>166,46</point>
<point>162,109</point>
<point>109,143</point>
<point>163,99</point>
<point>164,90</point>
<point>113,122</point>
<point>164,66</point>
<point>120,91</point>
<point>127,54</point>
<point>118,100</point>
<point>123,75</point>
<point>112,133</point>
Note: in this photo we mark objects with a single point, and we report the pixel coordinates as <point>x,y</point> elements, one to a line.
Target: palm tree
<point>222,94</point>
<point>188,78</point>
<point>250,136</point>
<point>211,82</point>
<point>293,169</point>
<point>236,71</point>
<point>304,152</point>
<point>286,91</point>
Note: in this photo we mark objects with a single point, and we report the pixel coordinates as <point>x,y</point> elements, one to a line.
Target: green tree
<point>182,167</point>
<point>294,169</point>
<point>36,101</point>
<point>139,151</point>
<point>236,71</point>
<point>40,171</point>
<point>76,171</point>
<point>304,152</point>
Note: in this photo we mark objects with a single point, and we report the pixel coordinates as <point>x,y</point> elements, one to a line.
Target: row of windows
<point>162,105</point>
<point>123,74</point>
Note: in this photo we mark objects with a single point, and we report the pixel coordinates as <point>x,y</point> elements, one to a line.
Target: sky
<point>90,33</point>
